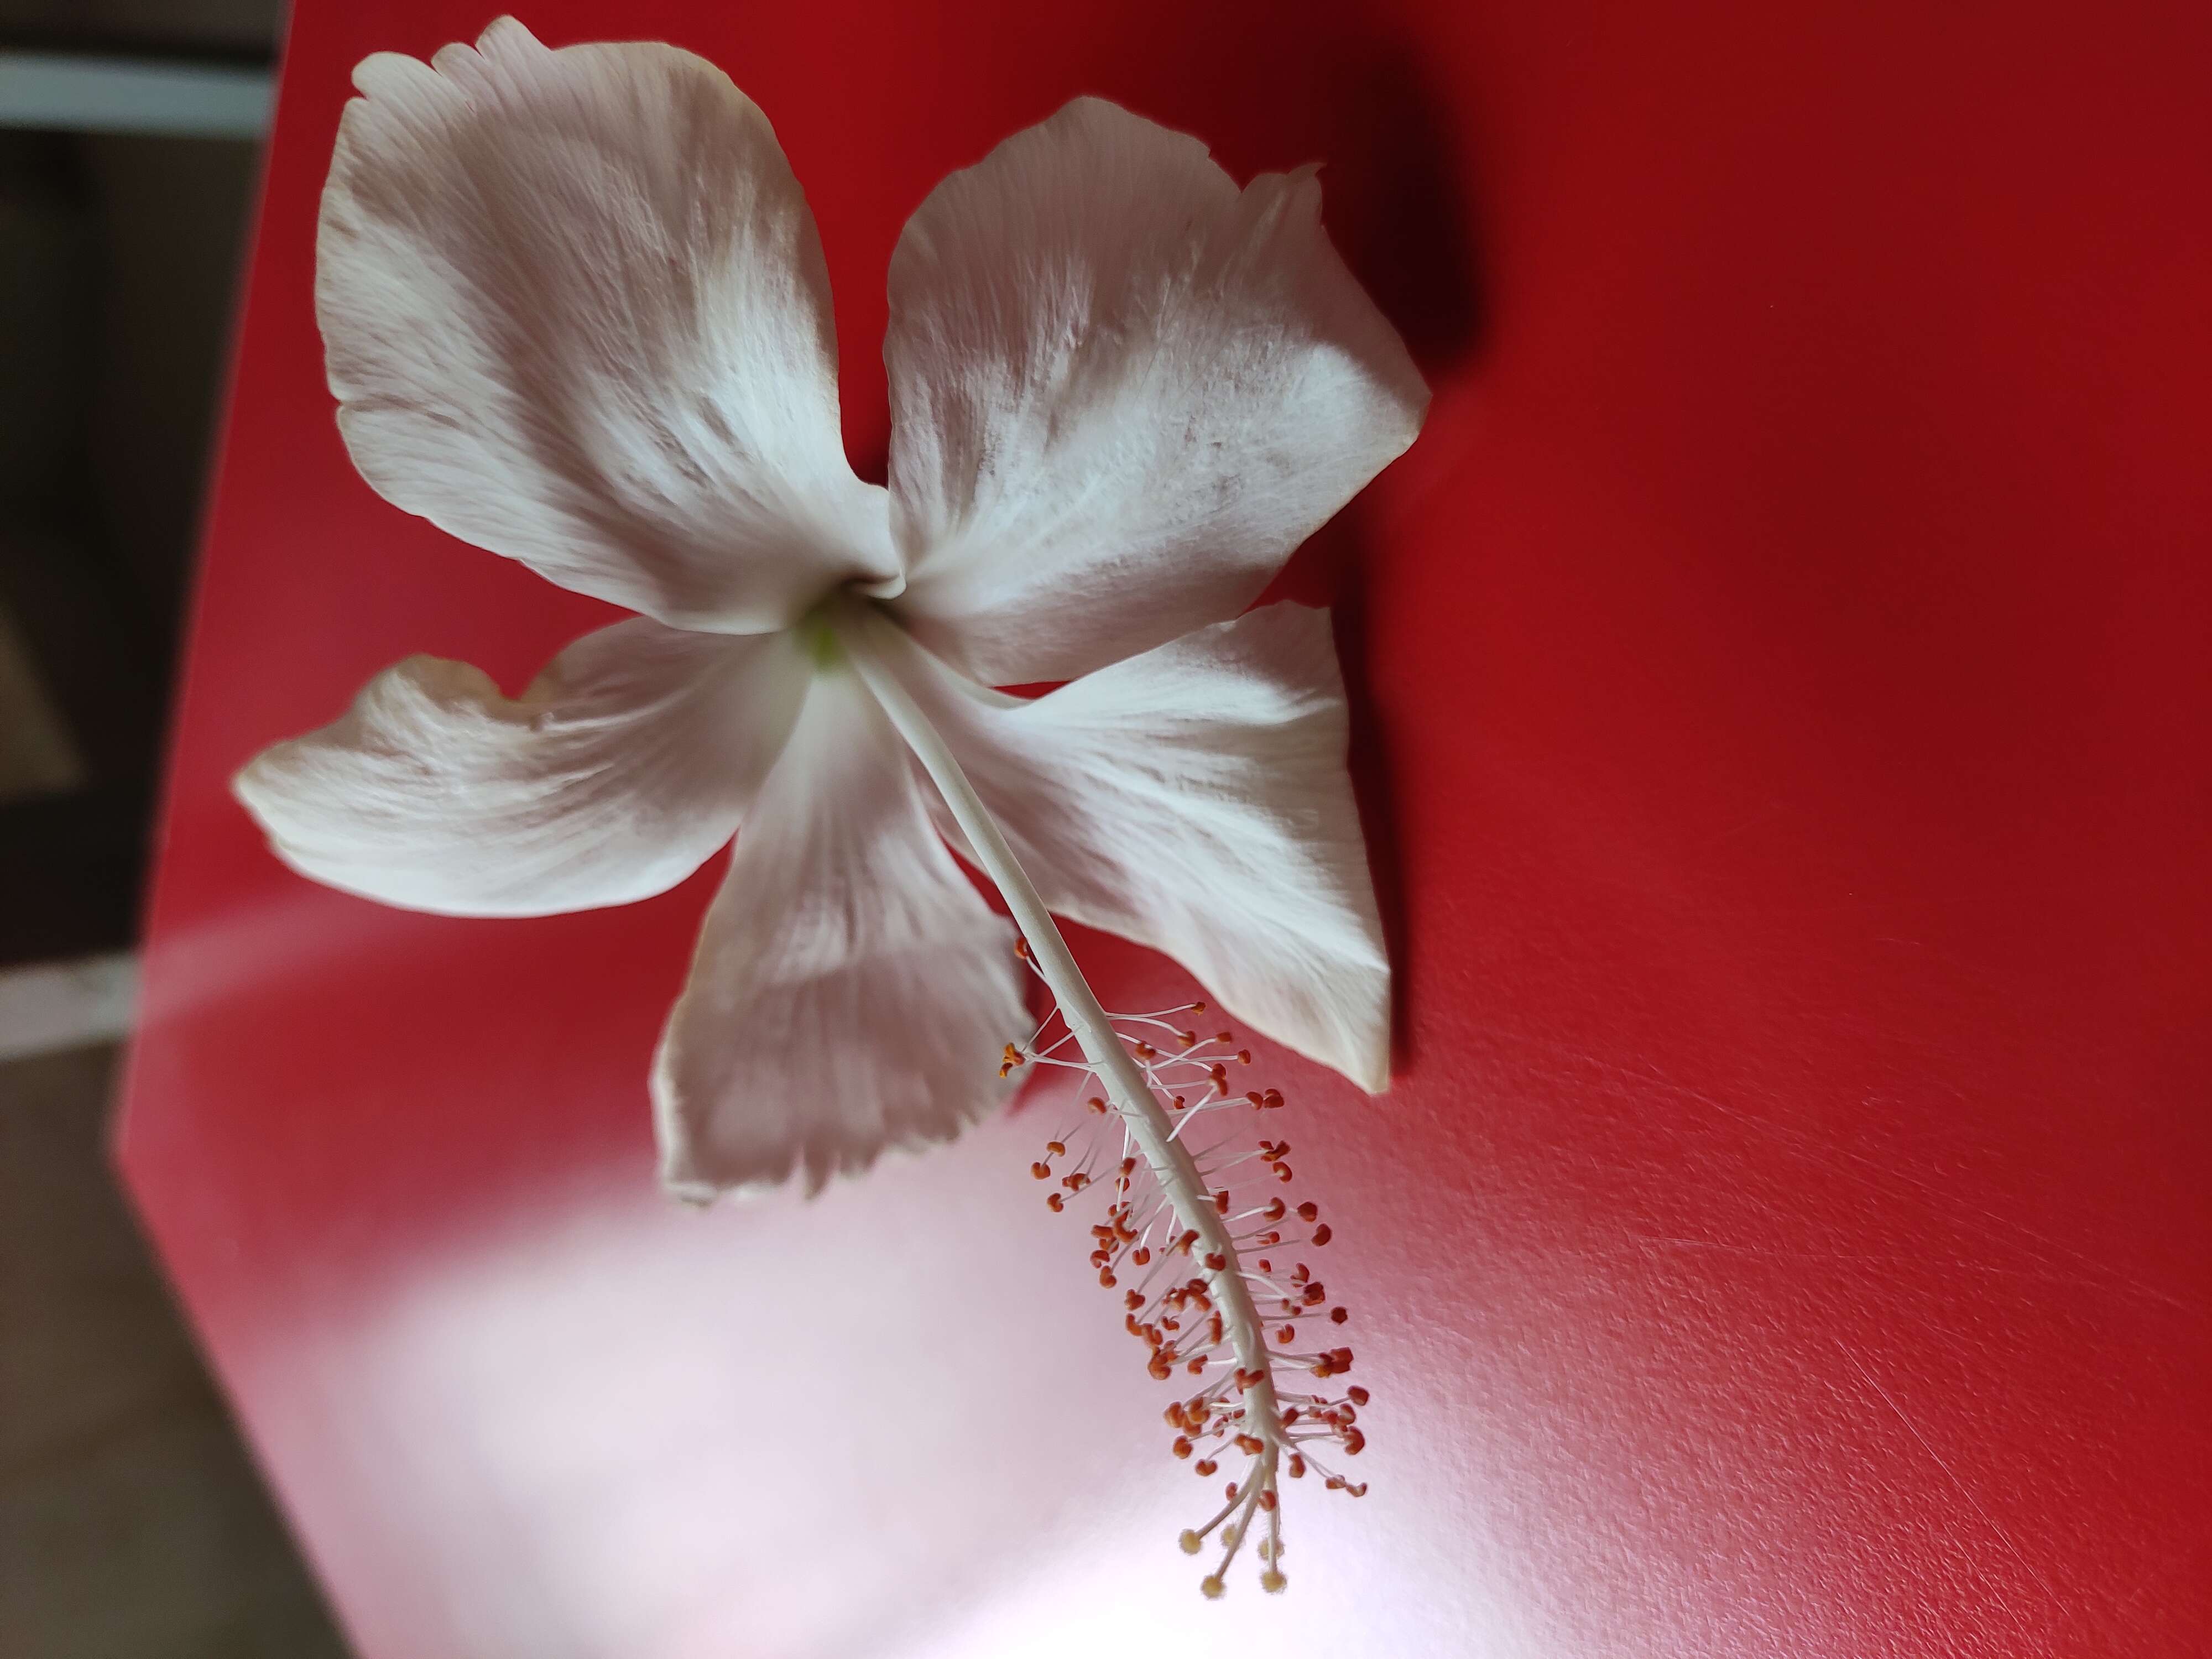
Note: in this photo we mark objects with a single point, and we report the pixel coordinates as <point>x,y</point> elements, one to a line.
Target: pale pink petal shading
<point>1122,393</point>
<point>616,774</point>
<point>851,991</point>
<point>1195,799</point>
<point>575,312</point>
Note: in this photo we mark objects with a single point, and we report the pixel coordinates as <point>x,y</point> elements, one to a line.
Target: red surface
<point>1786,734</point>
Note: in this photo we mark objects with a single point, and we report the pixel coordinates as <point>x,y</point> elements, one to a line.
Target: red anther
<point>1286,1332</point>
<point>1182,1447</point>
<point>1265,1266</point>
<point>1356,1394</point>
<point>1096,1105</point>
<point>1322,1234</point>
<point>1346,1416</point>
<point>1224,1037</point>
<point>1359,1491</point>
<point>1215,1261</point>
<point>1270,1238</point>
<point>1159,1368</point>
<point>1308,1212</point>
<point>1267,1499</point>
<point>1129,1167</point>
<point>1300,1273</point>
<point>1274,1098</point>
<point>1053,1201</point>
<point>1354,1443</point>
<point>1146,1051</point>
<point>1338,1316</point>
<point>1315,1293</point>
<point>1177,1102</point>
<point>1221,1201</point>
<point>1184,1244</point>
<point>1274,1210</point>
<point>1205,1465</point>
<point>1282,1172</point>
<point>1189,1039</point>
<point>1076,1182</point>
<point>1233,1491</point>
<point>1042,1171</point>
<point>1323,1368</point>
<point>1335,1483</point>
<point>1244,1057</point>
<point>1106,1277</point>
<point>1250,1446</point>
<point>1219,1073</point>
<point>1256,1098</point>
<point>1196,1008</point>
<point>1214,1329</point>
<point>1298,1466</point>
<point>1140,1256</point>
<point>1130,1319</point>
<point>1134,1300</point>
<point>1053,1149</point>
<point>1022,948</point>
<point>1197,1367</point>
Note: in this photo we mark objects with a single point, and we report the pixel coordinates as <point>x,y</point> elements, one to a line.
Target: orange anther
<point>1197,1367</point>
<point>1053,1201</point>
<point>1096,1105</point>
<point>1182,1447</point>
<point>1215,1261</point>
<point>1140,1256</point>
<point>1106,1276</point>
<point>1205,1465</point>
<point>1298,1466</point>
<point>1198,1007</point>
<point>1286,1332</point>
<point>1042,1171</point>
<point>1134,1301</point>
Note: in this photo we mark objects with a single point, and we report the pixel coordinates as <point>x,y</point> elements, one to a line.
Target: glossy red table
<point>1786,731</point>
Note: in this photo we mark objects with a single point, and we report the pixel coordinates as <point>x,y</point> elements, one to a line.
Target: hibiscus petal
<point>851,992</point>
<point>1194,798</point>
<point>576,312</point>
<point>1122,393</point>
<point>620,771</point>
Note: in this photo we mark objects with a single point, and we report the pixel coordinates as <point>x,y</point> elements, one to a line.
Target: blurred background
<point>132,1520</point>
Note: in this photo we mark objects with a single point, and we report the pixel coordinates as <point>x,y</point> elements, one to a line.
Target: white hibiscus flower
<point>577,313</point>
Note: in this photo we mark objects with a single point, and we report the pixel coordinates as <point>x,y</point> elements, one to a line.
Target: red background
<point>1783,707</point>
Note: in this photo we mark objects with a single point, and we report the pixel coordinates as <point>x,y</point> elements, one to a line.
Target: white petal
<point>851,992</point>
<point>621,769</point>
<point>1122,393</point>
<point>1194,798</point>
<point>576,312</point>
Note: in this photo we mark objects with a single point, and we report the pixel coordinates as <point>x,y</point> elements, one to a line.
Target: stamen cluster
<point>1184,1303</point>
